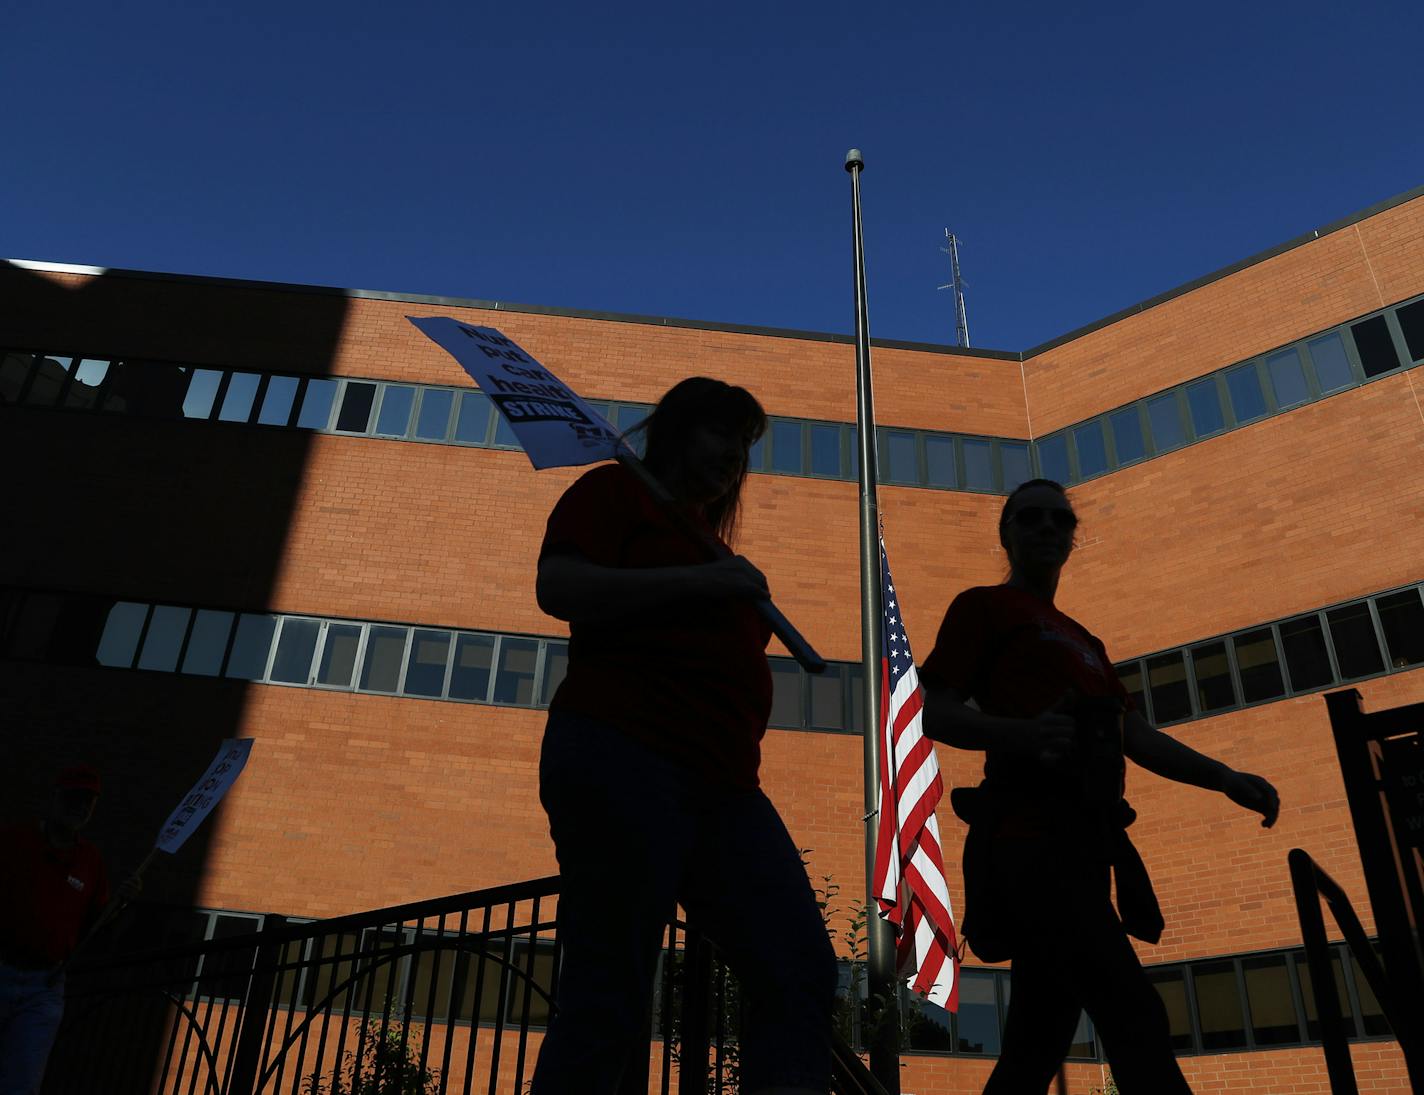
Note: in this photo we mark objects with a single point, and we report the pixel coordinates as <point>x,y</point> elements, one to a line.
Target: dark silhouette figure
<point>1047,826</point>
<point>649,765</point>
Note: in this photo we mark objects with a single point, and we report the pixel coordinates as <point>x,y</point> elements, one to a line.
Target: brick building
<point>278,511</point>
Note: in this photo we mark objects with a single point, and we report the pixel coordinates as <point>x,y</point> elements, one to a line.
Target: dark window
<point>786,446</point>
<point>1166,421</point>
<point>316,404</point>
<point>1092,449</point>
<point>928,1029</point>
<point>978,465</point>
<point>238,399</point>
<point>825,450</point>
<point>1258,666</point>
<point>202,390</point>
<point>1219,1006</point>
<point>786,693</point>
<point>1213,678</point>
<point>1269,998</point>
<point>338,655</point>
<point>119,640</point>
<point>1307,995</point>
<point>32,630</point>
<point>1352,632</point>
<point>556,666</point>
<point>1244,386</point>
<point>49,380</point>
<point>756,455</point>
<point>1205,405</point>
<point>83,392</point>
<point>978,1018</point>
<point>296,646</point>
<point>207,643</point>
<point>1014,457</point>
<point>827,700</point>
<point>470,675</point>
<point>355,413</point>
<point>1171,986</point>
<point>514,679</point>
<point>1085,1044</point>
<point>277,403</point>
<point>503,435</point>
<point>1127,435</point>
<point>855,681</point>
<point>1287,378</point>
<point>1167,681</point>
<point>1332,364</point>
<point>1371,1014</point>
<point>381,666</point>
<point>393,420</point>
<point>939,462</point>
<point>14,370</point>
<point>472,426</point>
<point>433,422</point>
<point>1307,661</point>
<point>897,454</point>
<point>248,660</point>
<point>1375,346</point>
<point>1130,674</point>
<point>1053,458</point>
<point>1411,322</point>
<point>1402,621</point>
<point>429,651</point>
<point>166,628</point>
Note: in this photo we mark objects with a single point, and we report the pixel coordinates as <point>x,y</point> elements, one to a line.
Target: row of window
<point>1218,1005</point>
<point>1349,642</point>
<point>1303,372</point>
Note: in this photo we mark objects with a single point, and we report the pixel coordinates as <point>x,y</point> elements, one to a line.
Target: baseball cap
<point>79,777</point>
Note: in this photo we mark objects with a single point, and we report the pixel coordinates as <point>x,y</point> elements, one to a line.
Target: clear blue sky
<point>685,159</point>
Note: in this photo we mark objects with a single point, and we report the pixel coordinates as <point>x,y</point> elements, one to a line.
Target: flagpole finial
<point>854,160</point>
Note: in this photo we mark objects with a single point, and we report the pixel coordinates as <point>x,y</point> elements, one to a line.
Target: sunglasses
<point>1034,516</point>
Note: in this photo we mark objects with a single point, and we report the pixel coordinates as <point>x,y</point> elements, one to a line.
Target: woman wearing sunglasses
<point>1036,691</point>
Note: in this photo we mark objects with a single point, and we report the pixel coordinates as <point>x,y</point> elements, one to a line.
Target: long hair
<point>702,401</point>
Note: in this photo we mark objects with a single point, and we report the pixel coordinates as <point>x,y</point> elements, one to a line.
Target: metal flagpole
<point>885,1037</point>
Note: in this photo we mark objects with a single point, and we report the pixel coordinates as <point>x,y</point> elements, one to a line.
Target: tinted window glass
<point>33,627</point>
<point>472,427</point>
<point>119,639</point>
<point>296,646</point>
<point>1084,1044</point>
<point>1307,662</point>
<point>202,389</point>
<point>14,370</point>
<point>1244,386</point>
<point>1258,666</point>
<point>1205,406</point>
<point>1213,677</point>
<point>756,455</point>
<point>1166,422</point>
<point>503,436</point>
<point>84,388</point>
<point>785,446</point>
<point>1411,322</point>
<point>355,413</point>
<point>1352,632</point>
<point>1307,995</point>
<point>250,647</point>
<point>927,1028</point>
<point>827,700</point>
<point>939,462</point>
<point>514,682</point>
<point>433,421</point>
<point>1268,996</point>
<point>1016,466</point>
<point>470,675</point>
<point>338,655</point>
<point>277,403</point>
<point>556,666</point>
<point>1402,621</point>
<point>1172,988</point>
<point>898,457</point>
<point>1130,674</point>
<point>49,380</point>
<point>786,693</point>
<point>1375,346</point>
<point>1219,1006</point>
<point>825,450</point>
<point>238,399</point>
<point>1092,449</point>
<point>978,464</point>
<point>381,666</point>
<point>1053,458</point>
<point>396,403</point>
<point>1167,681</point>
<point>316,404</point>
<point>166,628</point>
<point>1332,366</point>
<point>978,1017</point>
<point>1127,435</point>
<point>429,651</point>
<point>1287,378</point>
<point>1371,1014</point>
<point>207,643</point>
<point>855,679</point>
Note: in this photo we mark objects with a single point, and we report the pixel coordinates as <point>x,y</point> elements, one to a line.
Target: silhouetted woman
<point>650,758</point>
<point>1047,825</point>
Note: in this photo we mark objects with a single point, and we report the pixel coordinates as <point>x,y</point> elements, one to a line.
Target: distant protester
<point>1034,689</point>
<point>650,761</point>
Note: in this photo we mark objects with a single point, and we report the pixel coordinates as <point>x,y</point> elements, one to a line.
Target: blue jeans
<point>30,1011</point>
<point>637,834</point>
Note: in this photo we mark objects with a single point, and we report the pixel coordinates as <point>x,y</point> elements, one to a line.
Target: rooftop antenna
<point>961,317</point>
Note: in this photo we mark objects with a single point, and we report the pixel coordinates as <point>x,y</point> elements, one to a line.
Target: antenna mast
<point>961,317</point>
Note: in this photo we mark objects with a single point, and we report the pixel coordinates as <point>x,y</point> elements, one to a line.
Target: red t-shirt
<point>1016,655</point>
<point>52,895</point>
<point>688,678</point>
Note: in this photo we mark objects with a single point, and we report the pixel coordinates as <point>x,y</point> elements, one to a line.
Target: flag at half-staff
<point>909,883</point>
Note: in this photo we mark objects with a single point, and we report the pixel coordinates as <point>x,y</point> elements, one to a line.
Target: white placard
<point>199,802</point>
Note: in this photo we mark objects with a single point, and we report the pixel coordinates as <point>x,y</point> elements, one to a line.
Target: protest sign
<point>199,802</point>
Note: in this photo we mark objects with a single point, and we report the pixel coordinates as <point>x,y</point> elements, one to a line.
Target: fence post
<point>256,1010</point>
<point>1333,1037</point>
<point>695,1028</point>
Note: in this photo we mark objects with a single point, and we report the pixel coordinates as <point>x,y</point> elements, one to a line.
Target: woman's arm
<point>949,719</point>
<point>573,588</point>
<point>1170,759</point>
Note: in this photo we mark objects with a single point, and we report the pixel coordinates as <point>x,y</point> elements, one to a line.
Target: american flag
<point>909,864</point>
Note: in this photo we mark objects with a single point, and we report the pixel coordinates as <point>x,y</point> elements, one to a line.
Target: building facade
<point>279,512</point>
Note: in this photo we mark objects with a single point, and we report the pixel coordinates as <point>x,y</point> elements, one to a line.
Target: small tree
<point>389,1065</point>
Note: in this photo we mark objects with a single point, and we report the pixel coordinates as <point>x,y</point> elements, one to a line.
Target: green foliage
<point>386,1066</point>
<point>1109,1086</point>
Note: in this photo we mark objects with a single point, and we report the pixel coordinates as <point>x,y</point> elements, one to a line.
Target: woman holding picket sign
<point>650,758</point>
